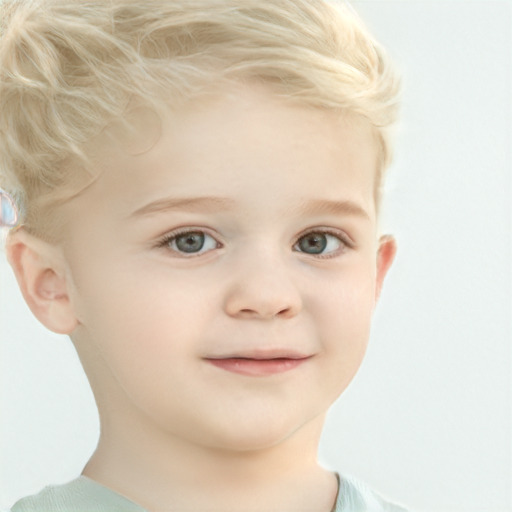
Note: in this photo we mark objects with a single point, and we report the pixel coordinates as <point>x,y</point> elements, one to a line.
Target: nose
<point>263,291</point>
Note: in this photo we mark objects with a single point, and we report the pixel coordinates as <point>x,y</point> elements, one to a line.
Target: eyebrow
<point>190,204</point>
<point>219,204</point>
<point>323,206</point>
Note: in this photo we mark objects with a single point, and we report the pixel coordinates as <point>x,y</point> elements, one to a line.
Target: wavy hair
<point>68,67</point>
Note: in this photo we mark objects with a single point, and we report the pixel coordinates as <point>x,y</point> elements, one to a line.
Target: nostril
<point>287,312</point>
<point>266,312</point>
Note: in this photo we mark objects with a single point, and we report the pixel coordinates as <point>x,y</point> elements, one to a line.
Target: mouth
<point>259,365</point>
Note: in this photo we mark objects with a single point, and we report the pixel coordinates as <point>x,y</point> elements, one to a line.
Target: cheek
<point>140,332</point>
<point>344,319</point>
<point>348,300</point>
<point>142,317</point>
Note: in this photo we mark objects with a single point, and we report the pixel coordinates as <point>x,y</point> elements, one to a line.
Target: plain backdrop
<point>427,421</point>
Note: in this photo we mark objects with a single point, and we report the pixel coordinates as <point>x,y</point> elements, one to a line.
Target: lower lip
<point>257,367</point>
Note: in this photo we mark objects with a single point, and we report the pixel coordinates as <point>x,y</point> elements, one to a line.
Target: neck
<point>162,472</point>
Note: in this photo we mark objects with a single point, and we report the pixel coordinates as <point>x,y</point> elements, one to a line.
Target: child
<point>198,184</point>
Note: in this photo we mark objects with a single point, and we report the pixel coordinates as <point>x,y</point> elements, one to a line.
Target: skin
<point>147,320</point>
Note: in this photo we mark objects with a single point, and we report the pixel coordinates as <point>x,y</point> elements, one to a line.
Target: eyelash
<point>345,241</point>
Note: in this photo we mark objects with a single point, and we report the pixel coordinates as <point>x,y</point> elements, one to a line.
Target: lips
<point>259,363</point>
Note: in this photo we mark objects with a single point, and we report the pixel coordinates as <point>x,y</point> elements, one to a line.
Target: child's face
<point>247,233</point>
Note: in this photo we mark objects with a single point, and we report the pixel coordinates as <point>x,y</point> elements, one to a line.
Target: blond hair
<point>68,67</point>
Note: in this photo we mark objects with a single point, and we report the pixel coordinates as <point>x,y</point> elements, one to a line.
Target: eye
<point>190,242</point>
<point>320,243</point>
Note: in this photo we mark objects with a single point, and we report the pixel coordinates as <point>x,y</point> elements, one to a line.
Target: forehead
<point>247,142</point>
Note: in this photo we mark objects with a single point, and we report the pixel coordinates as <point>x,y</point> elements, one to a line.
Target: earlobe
<point>39,272</point>
<point>385,256</point>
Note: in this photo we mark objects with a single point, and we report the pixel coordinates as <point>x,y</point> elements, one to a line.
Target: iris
<point>190,242</point>
<point>313,243</point>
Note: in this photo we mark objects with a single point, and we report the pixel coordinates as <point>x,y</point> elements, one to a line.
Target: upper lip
<point>264,354</point>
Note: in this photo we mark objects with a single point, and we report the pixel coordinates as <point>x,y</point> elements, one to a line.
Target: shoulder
<point>356,496</point>
<point>79,495</point>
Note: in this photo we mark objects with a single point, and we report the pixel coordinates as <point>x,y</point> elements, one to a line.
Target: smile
<point>254,367</point>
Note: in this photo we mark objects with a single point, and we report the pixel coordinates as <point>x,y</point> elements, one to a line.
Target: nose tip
<point>252,298</point>
<point>263,283</point>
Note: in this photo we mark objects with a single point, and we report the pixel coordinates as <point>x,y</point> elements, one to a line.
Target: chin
<point>259,434</point>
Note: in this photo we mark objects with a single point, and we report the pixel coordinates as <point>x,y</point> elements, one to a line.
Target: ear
<point>39,270</point>
<point>385,257</point>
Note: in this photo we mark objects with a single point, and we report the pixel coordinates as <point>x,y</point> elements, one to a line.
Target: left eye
<point>191,242</point>
<point>318,242</point>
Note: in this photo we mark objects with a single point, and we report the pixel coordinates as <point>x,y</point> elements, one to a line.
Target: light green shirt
<point>86,495</point>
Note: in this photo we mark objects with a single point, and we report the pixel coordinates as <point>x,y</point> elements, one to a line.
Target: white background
<point>427,421</point>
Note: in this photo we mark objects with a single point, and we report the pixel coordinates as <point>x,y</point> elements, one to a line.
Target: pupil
<point>313,244</point>
<point>190,242</point>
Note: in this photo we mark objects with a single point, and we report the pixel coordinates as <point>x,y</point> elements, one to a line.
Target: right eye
<point>192,242</point>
